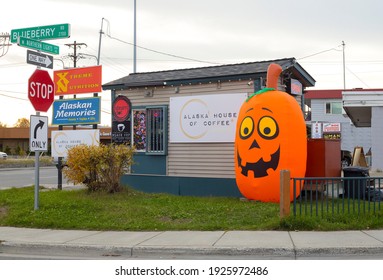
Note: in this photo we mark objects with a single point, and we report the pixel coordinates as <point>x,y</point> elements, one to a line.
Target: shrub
<point>98,167</point>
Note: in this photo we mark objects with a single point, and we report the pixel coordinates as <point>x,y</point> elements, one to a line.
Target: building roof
<point>323,94</point>
<point>209,74</point>
<point>332,93</point>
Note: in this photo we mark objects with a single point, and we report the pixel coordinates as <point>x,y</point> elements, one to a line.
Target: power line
<point>162,53</point>
<point>348,69</point>
<point>314,54</point>
<point>14,97</point>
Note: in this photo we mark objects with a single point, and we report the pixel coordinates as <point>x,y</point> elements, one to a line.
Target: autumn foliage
<point>98,167</point>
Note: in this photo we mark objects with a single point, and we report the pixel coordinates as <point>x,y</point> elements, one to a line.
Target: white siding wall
<point>351,136</point>
<point>377,136</point>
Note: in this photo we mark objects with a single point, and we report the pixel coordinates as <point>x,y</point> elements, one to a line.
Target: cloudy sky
<point>174,34</point>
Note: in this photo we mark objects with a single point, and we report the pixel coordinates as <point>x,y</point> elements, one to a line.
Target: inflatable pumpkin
<point>270,137</point>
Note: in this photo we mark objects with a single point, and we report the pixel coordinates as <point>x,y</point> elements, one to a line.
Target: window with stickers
<point>150,130</point>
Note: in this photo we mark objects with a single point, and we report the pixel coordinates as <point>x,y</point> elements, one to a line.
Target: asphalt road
<point>22,177</point>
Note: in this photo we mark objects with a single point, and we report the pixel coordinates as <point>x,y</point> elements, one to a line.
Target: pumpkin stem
<point>273,72</point>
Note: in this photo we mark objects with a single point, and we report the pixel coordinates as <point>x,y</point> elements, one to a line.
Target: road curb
<point>127,252</point>
<point>338,252</point>
<point>101,251</point>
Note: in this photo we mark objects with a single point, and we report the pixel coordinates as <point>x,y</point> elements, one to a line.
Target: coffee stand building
<point>182,123</point>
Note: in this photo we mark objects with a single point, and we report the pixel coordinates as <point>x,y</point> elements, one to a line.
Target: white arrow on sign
<point>39,59</point>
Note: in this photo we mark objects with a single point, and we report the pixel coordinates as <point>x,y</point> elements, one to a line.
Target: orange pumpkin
<point>270,137</point>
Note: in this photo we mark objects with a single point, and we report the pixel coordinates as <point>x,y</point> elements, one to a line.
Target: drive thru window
<point>150,130</point>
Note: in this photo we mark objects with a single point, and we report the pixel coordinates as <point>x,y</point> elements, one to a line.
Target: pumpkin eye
<point>268,128</point>
<point>247,127</point>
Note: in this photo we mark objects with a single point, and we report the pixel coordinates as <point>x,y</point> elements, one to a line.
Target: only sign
<point>41,90</point>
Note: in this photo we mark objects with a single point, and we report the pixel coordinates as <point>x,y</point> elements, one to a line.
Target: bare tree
<point>23,122</point>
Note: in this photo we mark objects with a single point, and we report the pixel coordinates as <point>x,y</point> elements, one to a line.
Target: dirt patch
<point>3,211</point>
<point>166,219</point>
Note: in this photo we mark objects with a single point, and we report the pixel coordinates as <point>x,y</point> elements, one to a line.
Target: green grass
<point>136,211</point>
<point>25,162</point>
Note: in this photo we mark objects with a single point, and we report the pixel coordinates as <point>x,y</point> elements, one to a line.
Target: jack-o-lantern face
<point>254,135</point>
<point>270,136</point>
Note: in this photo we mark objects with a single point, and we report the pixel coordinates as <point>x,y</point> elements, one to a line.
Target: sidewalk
<point>193,244</point>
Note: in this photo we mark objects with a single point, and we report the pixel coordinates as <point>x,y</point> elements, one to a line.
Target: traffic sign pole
<point>38,141</point>
<point>40,85</point>
<point>41,95</point>
<point>37,179</point>
<point>37,175</point>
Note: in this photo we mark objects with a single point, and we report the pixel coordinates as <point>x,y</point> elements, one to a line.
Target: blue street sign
<point>77,111</point>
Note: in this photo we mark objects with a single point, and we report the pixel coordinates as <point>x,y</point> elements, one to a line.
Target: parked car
<point>346,158</point>
<point>3,155</point>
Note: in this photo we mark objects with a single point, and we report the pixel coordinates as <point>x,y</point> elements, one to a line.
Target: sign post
<point>38,141</point>
<point>41,89</point>
<point>41,95</point>
<point>37,179</point>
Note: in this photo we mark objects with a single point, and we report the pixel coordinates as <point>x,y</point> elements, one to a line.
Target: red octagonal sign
<point>41,90</point>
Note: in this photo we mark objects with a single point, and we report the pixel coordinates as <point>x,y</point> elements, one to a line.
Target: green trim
<point>185,186</point>
<point>147,164</point>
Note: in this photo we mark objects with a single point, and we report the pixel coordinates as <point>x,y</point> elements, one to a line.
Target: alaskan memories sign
<point>76,111</point>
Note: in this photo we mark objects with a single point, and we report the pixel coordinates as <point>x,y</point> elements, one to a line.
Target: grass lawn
<point>25,162</point>
<point>136,211</point>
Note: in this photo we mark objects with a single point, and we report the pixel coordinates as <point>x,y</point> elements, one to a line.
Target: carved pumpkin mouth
<point>260,167</point>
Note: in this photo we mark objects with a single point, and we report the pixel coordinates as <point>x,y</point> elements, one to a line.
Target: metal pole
<point>60,163</point>
<point>344,66</point>
<point>98,60</point>
<point>37,175</point>
<point>135,40</point>
<point>99,43</point>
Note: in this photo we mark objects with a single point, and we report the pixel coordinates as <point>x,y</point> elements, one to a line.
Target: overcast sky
<point>204,33</point>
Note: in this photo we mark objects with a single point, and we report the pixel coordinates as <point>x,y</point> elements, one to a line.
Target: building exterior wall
<point>192,162</point>
<point>208,160</point>
<point>215,160</point>
<point>377,136</point>
<point>351,136</point>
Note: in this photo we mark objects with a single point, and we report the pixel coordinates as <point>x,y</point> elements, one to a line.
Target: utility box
<point>356,188</point>
<point>323,158</point>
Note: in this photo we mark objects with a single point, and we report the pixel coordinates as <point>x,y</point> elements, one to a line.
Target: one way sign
<point>38,136</point>
<point>39,59</point>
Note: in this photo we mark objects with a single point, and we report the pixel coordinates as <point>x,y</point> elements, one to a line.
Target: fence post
<point>284,202</point>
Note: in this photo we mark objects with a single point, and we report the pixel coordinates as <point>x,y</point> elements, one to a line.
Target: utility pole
<point>135,39</point>
<point>99,41</point>
<point>344,66</point>
<point>74,56</point>
<point>4,43</point>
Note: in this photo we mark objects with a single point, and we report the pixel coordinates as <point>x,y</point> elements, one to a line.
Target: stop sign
<point>41,90</point>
